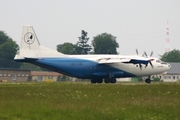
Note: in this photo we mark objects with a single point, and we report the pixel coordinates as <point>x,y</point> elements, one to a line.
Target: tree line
<point>101,44</point>
<point>104,43</point>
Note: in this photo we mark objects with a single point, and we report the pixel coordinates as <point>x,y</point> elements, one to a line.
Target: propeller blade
<point>137,51</point>
<point>140,66</point>
<point>145,54</point>
<point>151,64</point>
<point>151,54</point>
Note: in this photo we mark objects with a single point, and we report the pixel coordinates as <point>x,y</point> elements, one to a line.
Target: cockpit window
<point>158,61</point>
<point>162,62</point>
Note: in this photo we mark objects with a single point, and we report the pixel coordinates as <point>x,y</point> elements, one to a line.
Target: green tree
<point>105,44</point>
<point>8,49</point>
<point>66,48</point>
<point>81,46</point>
<point>172,56</point>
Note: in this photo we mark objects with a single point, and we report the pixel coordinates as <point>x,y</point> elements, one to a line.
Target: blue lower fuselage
<point>80,68</point>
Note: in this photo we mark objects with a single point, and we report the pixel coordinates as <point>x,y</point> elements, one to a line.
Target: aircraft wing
<point>123,60</point>
<point>112,60</point>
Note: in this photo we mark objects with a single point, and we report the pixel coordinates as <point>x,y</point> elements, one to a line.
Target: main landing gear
<point>106,80</point>
<point>148,80</point>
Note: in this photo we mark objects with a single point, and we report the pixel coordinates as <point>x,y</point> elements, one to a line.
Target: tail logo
<point>29,38</point>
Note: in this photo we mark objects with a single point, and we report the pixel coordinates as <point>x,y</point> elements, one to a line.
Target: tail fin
<point>29,39</point>
<point>30,46</point>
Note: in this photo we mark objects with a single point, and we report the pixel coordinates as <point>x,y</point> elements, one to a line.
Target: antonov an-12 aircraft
<point>98,68</point>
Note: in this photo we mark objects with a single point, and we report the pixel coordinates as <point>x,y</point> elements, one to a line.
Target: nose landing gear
<point>148,80</point>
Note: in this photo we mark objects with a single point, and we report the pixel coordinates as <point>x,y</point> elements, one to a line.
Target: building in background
<point>12,75</point>
<point>44,76</point>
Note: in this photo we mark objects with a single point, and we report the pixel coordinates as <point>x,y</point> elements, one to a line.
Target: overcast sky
<point>137,24</point>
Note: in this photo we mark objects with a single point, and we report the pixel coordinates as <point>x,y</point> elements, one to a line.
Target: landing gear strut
<point>148,80</point>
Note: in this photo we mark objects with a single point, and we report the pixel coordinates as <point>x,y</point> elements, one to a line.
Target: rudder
<point>29,39</point>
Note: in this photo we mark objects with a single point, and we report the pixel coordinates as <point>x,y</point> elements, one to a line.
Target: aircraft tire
<point>113,80</point>
<point>93,80</point>
<point>107,80</point>
<point>148,80</point>
<point>99,80</point>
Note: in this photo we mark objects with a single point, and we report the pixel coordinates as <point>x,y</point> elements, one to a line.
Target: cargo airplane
<point>98,68</point>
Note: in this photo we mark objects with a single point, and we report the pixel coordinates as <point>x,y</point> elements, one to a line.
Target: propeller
<point>145,55</point>
<point>149,59</point>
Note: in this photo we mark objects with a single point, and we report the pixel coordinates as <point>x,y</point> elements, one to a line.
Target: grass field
<point>82,101</point>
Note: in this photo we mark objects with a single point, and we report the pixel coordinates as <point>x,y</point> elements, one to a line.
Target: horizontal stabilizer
<point>31,58</point>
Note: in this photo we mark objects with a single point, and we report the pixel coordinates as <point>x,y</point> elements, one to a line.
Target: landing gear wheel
<point>110,80</point>
<point>107,80</point>
<point>148,80</point>
<point>93,80</point>
<point>99,80</point>
<point>113,80</point>
<point>96,80</point>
